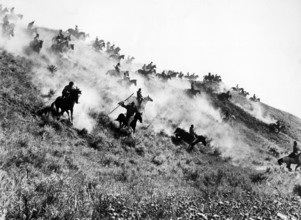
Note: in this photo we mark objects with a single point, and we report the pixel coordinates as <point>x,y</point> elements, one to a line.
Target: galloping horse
<point>140,106</point>
<point>66,104</point>
<point>62,47</point>
<point>36,45</point>
<point>76,34</point>
<point>224,96</point>
<point>8,30</point>
<point>290,160</point>
<point>117,57</point>
<point>128,81</point>
<point>188,138</point>
<point>122,122</point>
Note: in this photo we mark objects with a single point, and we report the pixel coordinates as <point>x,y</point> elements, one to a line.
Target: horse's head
<point>147,98</point>
<point>177,130</point>
<point>75,94</point>
<point>138,116</point>
<point>204,140</point>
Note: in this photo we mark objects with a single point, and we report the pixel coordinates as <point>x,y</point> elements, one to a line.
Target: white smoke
<point>253,108</point>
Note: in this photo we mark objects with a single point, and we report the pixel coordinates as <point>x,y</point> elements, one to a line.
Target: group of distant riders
<point>131,108</point>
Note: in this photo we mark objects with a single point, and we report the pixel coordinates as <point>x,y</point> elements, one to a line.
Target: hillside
<point>90,170</point>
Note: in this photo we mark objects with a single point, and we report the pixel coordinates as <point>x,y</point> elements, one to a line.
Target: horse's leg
<point>298,165</point>
<point>190,147</point>
<point>68,114</point>
<point>71,115</point>
<point>288,166</point>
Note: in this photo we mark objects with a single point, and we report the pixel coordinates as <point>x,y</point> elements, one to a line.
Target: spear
<point>123,101</point>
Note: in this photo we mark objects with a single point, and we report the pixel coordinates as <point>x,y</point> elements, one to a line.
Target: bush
<point>140,150</point>
<point>257,178</point>
<point>297,190</point>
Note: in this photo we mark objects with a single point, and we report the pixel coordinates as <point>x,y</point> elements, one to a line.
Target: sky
<point>255,44</point>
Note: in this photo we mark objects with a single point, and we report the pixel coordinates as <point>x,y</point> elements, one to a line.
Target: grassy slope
<point>51,170</point>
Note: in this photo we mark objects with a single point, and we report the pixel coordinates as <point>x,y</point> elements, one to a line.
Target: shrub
<point>257,178</point>
<point>140,150</point>
<point>297,190</point>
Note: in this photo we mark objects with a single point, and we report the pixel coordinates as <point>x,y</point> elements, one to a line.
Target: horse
<point>76,34</point>
<point>276,127</point>
<point>122,123</point>
<point>128,81</point>
<point>67,104</point>
<point>163,76</point>
<point>117,57</point>
<point>97,46</point>
<point>146,72</point>
<point>290,160</point>
<point>224,96</point>
<point>62,47</point>
<point>140,106</point>
<point>8,30</point>
<point>129,60</point>
<point>188,138</point>
<point>193,92</point>
<point>114,72</point>
<point>36,45</point>
<point>228,117</point>
<point>254,98</point>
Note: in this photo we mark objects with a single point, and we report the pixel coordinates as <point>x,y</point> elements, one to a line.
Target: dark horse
<point>63,46</point>
<point>291,160</point>
<point>36,45</point>
<point>123,122</point>
<point>224,96</point>
<point>188,138</point>
<point>66,104</point>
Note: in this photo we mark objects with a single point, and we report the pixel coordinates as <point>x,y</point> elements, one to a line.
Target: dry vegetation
<point>50,170</point>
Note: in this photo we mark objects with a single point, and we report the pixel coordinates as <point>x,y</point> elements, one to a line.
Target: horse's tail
<point>280,161</point>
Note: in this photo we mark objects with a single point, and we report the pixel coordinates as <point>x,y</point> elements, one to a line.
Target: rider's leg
<point>130,121</point>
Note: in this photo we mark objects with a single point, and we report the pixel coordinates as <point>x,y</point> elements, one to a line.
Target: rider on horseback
<point>126,75</point>
<point>117,67</point>
<point>150,65</point>
<point>192,86</point>
<point>295,150</point>
<point>66,91</point>
<point>193,134</point>
<point>139,96</point>
<point>36,38</point>
<point>131,110</point>
<point>60,37</point>
<point>191,131</point>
